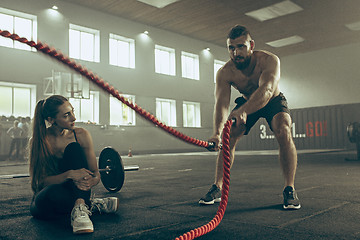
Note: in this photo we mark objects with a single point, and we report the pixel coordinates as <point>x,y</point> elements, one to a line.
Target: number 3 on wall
<point>262,131</point>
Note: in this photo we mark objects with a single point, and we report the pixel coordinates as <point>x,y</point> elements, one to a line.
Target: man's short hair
<point>238,31</point>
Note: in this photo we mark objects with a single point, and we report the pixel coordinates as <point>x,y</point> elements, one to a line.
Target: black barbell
<point>111,168</point>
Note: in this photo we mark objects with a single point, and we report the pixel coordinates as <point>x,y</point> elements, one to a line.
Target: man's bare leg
<point>287,150</point>
<point>281,125</point>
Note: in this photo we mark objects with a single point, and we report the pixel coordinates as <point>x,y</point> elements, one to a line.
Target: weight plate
<point>113,180</point>
<point>352,131</point>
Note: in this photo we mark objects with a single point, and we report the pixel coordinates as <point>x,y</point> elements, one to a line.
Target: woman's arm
<point>86,142</point>
<point>75,175</point>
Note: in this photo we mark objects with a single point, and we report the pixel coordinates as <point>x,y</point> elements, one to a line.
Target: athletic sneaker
<point>106,205</point>
<point>214,195</point>
<point>291,200</point>
<point>80,220</point>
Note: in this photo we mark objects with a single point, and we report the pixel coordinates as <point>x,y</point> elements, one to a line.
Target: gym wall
<point>321,87</point>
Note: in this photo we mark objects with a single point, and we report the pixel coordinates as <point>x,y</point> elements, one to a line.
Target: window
<point>164,60</point>
<point>22,24</point>
<point>121,114</point>
<point>84,43</point>
<point>190,65</point>
<point>121,51</point>
<point>217,65</point>
<point>191,114</point>
<point>86,110</point>
<point>17,100</point>
<point>166,111</point>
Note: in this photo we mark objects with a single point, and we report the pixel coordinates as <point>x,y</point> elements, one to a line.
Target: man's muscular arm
<point>221,108</point>
<point>268,84</point>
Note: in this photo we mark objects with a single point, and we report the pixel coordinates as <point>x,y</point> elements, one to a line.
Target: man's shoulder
<point>227,67</point>
<point>263,54</point>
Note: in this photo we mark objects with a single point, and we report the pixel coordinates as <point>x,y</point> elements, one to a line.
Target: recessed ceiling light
<point>55,7</point>
<point>146,32</point>
<point>274,11</point>
<point>355,26</point>
<point>286,41</point>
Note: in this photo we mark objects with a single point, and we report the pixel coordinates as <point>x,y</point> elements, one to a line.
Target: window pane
<point>121,114</point>
<point>115,111</point>
<point>191,114</point>
<point>23,28</point>
<point>113,53</point>
<point>124,54</point>
<point>74,44</point>
<point>21,102</point>
<point>122,51</point>
<point>6,101</point>
<point>190,65</point>
<point>164,60</point>
<point>6,23</point>
<point>165,112</point>
<point>87,109</point>
<point>87,46</point>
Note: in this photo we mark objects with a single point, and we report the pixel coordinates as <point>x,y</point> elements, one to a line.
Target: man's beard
<point>242,65</point>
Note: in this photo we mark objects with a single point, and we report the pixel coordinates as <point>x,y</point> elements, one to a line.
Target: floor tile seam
<point>318,213</point>
<point>149,230</point>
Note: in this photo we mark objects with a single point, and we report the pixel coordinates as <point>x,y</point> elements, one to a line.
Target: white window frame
<point>217,65</point>
<point>116,56</point>
<point>119,107</point>
<point>196,114</point>
<point>190,65</point>
<point>165,60</point>
<point>14,99</point>
<point>16,17</point>
<point>160,111</point>
<point>84,106</point>
<point>76,50</point>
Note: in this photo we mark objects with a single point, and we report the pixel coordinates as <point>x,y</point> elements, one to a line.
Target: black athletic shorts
<point>276,105</point>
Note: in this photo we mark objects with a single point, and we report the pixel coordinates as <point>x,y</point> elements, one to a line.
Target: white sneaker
<point>80,220</point>
<point>106,205</point>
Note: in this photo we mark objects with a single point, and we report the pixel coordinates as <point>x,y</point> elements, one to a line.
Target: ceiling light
<point>274,11</point>
<point>355,26</point>
<point>158,3</point>
<point>146,32</point>
<point>207,49</point>
<point>55,7</point>
<point>285,41</point>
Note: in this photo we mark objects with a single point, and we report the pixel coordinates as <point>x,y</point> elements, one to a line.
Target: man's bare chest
<point>246,84</point>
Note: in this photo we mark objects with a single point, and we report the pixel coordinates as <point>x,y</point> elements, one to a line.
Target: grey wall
<point>322,78</point>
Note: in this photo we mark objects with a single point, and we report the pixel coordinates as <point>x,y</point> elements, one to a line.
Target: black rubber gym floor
<point>160,200</point>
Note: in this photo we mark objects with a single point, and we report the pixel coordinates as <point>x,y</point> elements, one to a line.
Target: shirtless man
<point>256,75</point>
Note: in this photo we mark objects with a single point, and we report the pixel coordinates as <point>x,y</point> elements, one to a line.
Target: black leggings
<point>59,199</point>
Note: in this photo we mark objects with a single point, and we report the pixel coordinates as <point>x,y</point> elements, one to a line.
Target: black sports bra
<point>75,136</point>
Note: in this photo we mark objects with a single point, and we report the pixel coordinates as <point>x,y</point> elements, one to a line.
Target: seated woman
<point>63,167</point>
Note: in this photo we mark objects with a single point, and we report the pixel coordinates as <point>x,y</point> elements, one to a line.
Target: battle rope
<point>224,194</point>
<point>110,89</point>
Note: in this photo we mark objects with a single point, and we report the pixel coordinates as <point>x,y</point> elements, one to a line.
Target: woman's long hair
<point>42,161</point>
